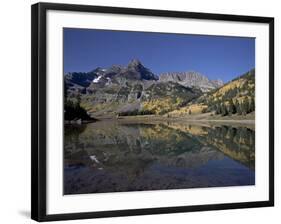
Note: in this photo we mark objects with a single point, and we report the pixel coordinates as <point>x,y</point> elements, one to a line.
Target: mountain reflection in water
<point>111,156</point>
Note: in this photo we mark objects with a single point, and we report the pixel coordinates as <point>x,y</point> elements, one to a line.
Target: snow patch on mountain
<point>96,80</point>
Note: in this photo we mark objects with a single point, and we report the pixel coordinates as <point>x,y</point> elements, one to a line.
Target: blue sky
<point>214,56</point>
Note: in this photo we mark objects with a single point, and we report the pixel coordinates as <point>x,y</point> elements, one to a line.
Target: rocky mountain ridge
<point>134,89</point>
<point>136,71</point>
<point>191,79</point>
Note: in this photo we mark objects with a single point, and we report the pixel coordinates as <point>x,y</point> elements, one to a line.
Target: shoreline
<point>247,119</point>
<point>199,119</point>
<point>165,120</point>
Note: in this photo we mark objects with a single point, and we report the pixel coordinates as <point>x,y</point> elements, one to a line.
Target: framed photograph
<point>139,111</point>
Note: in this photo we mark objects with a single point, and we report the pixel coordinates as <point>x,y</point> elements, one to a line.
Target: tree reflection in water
<point>114,156</point>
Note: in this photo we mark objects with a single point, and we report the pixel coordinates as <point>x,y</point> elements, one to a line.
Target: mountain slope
<point>235,97</point>
<point>135,90</point>
<point>129,90</point>
<point>137,97</point>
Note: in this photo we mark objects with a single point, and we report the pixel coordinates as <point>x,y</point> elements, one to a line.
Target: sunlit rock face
<point>191,79</point>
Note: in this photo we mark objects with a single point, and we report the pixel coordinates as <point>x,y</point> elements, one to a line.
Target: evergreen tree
<point>74,111</point>
<point>224,111</point>
<point>252,105</point>
<point>218,109</point>
<point>246,105</point>
<point>238,108</point>
<point>231,108</point>
<point>234,107</point>
<point>243,110</point>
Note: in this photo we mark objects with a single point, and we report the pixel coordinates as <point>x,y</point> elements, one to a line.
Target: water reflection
<point>116,156</point>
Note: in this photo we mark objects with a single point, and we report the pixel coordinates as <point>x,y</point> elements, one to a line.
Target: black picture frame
<point>38,108</point>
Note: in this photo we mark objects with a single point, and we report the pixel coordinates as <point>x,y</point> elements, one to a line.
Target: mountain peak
<point>135,61</point>
<point>136,70</point>
<point>135,64</point>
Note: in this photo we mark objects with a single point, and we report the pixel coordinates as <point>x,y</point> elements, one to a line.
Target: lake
<point>118,156</point>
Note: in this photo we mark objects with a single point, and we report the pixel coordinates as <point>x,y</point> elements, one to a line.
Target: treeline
<point>250,75</point>
<point>233,137</point>
<point>74,111</point>
<point>135,112</point>
<point>235,107</point>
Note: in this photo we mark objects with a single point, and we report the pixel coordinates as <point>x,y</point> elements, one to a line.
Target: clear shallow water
<point>115,156</point>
